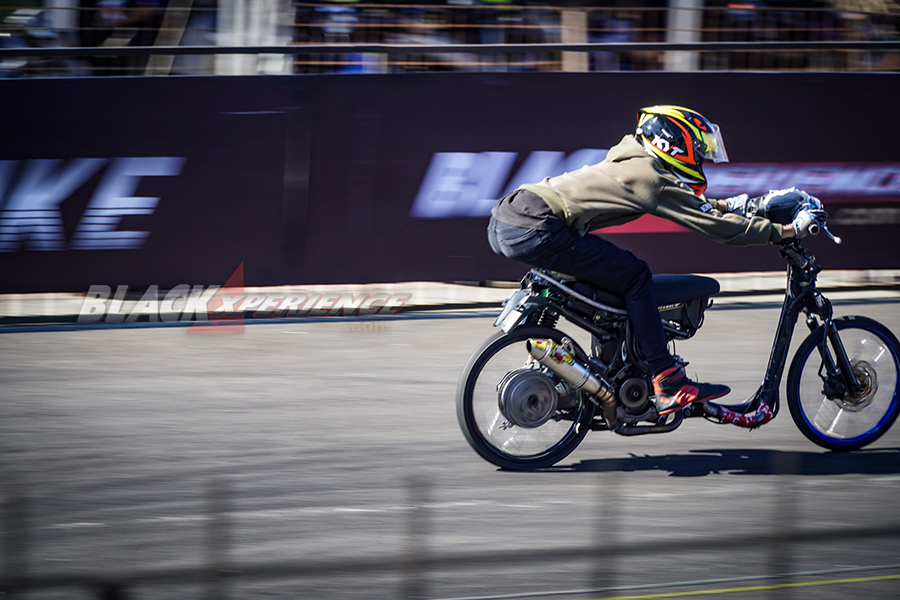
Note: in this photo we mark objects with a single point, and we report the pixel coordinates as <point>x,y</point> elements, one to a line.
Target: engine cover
<point>528,397</point>
<point>634,394</point>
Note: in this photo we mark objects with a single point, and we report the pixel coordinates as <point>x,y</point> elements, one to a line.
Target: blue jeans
<point>597,261</point>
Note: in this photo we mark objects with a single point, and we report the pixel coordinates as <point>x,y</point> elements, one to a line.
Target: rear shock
<point>548,318</point>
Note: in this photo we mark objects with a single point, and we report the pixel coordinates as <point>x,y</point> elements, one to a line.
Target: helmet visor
<point>714,145</point>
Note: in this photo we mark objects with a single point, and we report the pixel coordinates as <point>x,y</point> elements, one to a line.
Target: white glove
<point>736,204</point>
<point>814,205</point>
<point>783,206</point>
<point>807,222</point>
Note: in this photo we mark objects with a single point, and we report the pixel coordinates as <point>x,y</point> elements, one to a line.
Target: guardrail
<point>413,567</point>
<point>632,36</point>
<point>387,58</point>
<point>394,49</point>
<point>70,23</point>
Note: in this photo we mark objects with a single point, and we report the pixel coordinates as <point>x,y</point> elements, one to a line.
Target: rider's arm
<point>681,206</point>
<point>787,231</point>
<point>735,204</point>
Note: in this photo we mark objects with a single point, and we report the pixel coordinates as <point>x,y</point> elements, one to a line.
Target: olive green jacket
<point>629,183</point>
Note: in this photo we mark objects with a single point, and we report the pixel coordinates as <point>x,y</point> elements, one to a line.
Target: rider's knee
<point>641,277</point>
<point>642,271</point>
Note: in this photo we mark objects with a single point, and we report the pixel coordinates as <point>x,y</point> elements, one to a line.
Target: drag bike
<point>529,394</point>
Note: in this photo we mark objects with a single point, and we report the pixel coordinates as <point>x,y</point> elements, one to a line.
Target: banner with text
<point>358,179</point>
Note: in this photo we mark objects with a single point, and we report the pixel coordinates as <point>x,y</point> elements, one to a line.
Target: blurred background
<point>357,147</point>
<point>349,142</point>
<point>142,23</point>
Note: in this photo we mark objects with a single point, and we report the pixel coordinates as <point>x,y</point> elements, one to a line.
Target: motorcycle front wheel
<point>836,419</point>
<point>491,434</point>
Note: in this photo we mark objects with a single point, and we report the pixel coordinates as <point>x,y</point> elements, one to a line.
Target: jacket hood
<point>627,149</point>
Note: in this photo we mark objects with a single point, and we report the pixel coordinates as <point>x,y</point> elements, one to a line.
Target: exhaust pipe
<point>557,359</point>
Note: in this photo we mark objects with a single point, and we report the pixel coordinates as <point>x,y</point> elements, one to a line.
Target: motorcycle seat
<point>669,290</point>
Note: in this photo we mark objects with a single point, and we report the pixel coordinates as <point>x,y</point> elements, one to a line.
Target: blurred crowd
<point>105,24</point>
<point>120,23</point>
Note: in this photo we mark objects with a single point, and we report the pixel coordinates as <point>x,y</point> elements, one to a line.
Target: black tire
<point>847,423</point>
<point>538,447</point>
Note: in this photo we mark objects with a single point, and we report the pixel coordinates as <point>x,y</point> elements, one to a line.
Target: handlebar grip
<point>814,229</point>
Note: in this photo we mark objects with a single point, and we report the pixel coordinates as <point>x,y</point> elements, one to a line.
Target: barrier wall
<point>354,179</point>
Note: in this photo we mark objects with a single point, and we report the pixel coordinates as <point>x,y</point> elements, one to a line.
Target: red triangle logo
<point>218,321</point>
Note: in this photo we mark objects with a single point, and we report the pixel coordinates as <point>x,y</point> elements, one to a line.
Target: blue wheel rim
<point>888,415</point>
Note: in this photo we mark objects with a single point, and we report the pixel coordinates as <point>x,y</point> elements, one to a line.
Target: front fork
<point>839,377</point>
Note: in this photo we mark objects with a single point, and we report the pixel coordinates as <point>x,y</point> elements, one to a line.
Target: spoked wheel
<point>514,413</point>
<point>821,406</point>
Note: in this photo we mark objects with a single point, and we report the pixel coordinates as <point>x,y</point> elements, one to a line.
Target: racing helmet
<point>681,138</point>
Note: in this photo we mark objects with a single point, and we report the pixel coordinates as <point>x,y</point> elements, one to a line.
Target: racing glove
<point>737,204</point>
<point>808,221</point>
<point>783,206</point>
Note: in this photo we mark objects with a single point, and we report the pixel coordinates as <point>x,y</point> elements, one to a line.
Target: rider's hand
<point>736,204</point>
<point>814,205</point>
<point>806,222</point>
<point>814,208</point>
<point>783,206</point>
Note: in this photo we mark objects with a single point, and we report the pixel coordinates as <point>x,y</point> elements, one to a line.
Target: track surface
<point>318,433</point>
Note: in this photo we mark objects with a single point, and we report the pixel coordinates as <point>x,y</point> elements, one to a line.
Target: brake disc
<point>528,397</point>
<point>868,379</point>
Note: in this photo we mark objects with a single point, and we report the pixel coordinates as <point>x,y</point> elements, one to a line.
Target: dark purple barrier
<point>140,182</point>
<point>408,167</point>
<point>340,179</point>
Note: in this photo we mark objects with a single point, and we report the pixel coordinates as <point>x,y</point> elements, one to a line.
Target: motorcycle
<point>529,394</point>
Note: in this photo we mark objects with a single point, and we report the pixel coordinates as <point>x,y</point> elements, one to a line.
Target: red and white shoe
<point>674,391</point>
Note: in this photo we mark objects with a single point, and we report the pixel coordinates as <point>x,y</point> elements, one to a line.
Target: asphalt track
<point>323,443</point>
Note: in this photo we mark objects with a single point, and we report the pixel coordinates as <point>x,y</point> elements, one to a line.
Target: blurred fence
<point>283,36</point>
<point>413,567</point>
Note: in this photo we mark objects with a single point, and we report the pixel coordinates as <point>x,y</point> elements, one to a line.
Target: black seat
<point>669,289</point>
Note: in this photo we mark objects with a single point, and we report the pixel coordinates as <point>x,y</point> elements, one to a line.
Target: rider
<point>658,171</point>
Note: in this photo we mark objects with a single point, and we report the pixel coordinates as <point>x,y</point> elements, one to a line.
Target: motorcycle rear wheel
<point>490,434</point>
<point>847,422</point>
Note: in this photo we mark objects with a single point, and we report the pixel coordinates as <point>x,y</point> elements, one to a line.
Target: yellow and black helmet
<point>681,138</point>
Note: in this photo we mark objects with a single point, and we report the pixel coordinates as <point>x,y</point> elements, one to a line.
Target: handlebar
<point>784,206</point>
<point>814,230</point>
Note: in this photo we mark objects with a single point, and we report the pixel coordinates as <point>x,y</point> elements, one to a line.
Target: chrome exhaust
<point>557,359</point>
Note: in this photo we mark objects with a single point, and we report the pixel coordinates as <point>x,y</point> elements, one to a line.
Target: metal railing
<point>412,568</point>
<point>281,36</point>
